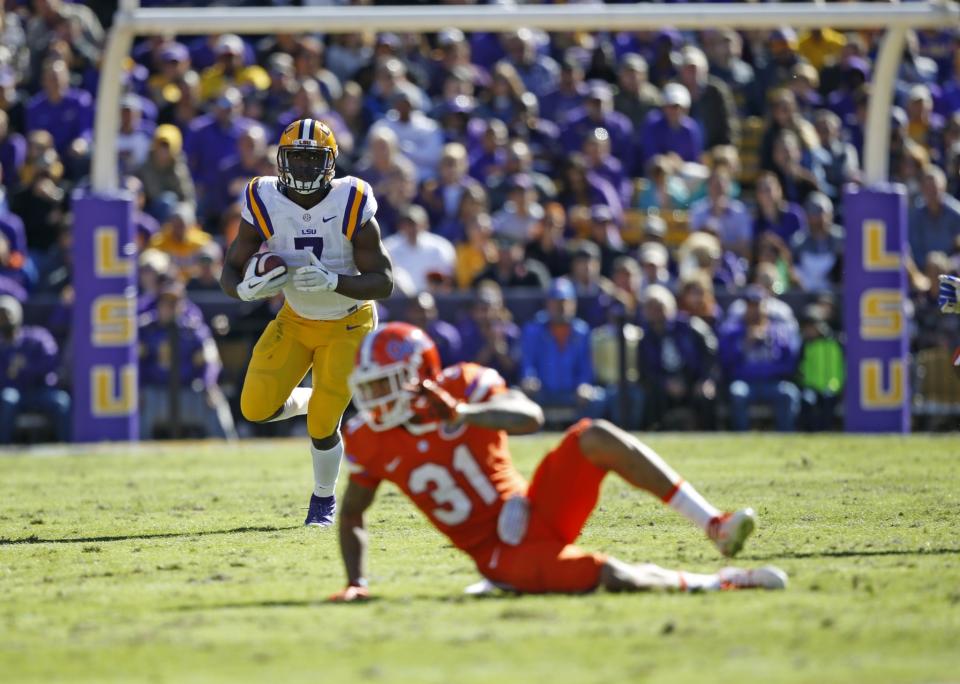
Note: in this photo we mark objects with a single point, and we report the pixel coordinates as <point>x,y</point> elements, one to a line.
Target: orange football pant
<point>563,494</point>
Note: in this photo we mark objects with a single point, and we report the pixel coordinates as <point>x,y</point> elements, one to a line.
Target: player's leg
<point>565,487</point>
<point>277,365</point>
<point>615,575</point>
<point>554,567</point>
<point>333,359</point>
<point>607,447</point>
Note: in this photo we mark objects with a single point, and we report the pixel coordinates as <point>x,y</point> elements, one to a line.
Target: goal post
<point>896,19</point>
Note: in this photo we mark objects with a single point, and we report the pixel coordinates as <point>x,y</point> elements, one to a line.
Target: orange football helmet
<point>307,156</point>
<point>390,360</point>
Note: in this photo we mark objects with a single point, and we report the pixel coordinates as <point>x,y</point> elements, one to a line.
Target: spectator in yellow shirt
<point>182,238</point>
<point>477,253</point>
<point>230,70</point>
<point>821,47</point>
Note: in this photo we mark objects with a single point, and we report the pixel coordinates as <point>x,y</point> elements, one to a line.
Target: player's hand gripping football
<point>349,594</point>
<point>432,403</point>
<point>265,284</point>
<point>315,277</point>
<point>949,285</point>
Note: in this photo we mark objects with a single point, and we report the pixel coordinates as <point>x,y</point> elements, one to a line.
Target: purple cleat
<point>322,511</point>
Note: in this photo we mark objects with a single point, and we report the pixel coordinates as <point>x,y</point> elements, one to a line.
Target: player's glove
<point>434,404</point>
<point>948,294</point>
<point>315,277</point>
<point>349,594</point>
<point>264,286</point>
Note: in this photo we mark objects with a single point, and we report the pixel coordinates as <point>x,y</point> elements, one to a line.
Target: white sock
<point>326,469</point>
<point>295,405</point>
<point>692,581</point>
<point>688,502</point>
<point>650,576</point>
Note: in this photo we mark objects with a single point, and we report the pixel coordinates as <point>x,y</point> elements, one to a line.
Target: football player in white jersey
<point>332,264</point>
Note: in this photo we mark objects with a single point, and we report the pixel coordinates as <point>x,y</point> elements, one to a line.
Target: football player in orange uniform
<point>441,436</point>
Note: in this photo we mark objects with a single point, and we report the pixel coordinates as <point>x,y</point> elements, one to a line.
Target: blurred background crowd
<point>537,192</point>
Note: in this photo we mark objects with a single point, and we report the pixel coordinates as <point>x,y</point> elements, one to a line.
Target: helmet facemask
<point>380,393</point>
<point>306,169</point>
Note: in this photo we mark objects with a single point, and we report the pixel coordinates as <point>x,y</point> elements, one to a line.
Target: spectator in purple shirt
<point>443,195</point>
<point>721,214</point>
<point>569,93</point>
<point>237,169</point>
<point>598,155</point>
<point>422,312</point>
<point>598,112</point>
<point>11,228</point>
<point>453,58</point>
<point>597,294</point>
<point>213,137</point>
<point>64,111</point>
<point>541,135</point>
<point>581,189</point>
<point>195,358</point>
<point>671,129</point>
<point>539,73</point>
<point>774,213</point>
<point>28,363</point>
<point>488,335</point>
<point>519,162</point>
<point>489,156</point>
<point>759,356</point>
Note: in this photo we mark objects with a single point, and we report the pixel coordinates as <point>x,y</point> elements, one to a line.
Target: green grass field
<point>187,563</point>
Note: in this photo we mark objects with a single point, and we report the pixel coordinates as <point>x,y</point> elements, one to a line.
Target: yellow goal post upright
<point>105,329</point>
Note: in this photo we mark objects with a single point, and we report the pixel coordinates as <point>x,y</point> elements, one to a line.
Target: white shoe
<point>730,530</point>
<point>767,577</point>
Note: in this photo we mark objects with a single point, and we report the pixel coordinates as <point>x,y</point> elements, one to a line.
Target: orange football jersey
<point>458,478</point>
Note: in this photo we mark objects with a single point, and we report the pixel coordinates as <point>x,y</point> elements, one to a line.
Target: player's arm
<point>376,270</point>
<point>510,410</point>
<point>353,540</point>
<point>247,244</point>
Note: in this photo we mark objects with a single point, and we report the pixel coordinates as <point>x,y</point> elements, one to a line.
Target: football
<point>268,261</point>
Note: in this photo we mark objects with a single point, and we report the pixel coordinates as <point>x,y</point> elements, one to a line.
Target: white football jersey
<point>327,229</point>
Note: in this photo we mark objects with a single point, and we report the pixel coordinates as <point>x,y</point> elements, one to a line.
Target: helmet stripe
<point>308,129</point>
<point>300,130</point>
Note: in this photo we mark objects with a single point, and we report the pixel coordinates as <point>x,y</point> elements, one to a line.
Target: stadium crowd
<point>688,184</point>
